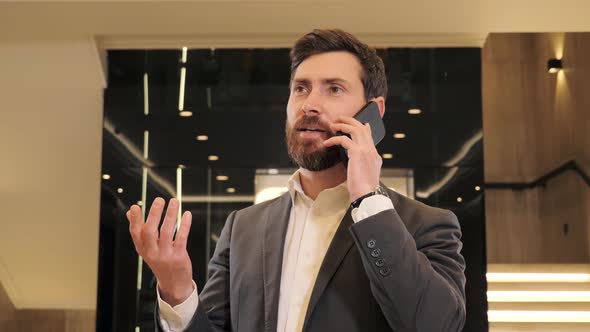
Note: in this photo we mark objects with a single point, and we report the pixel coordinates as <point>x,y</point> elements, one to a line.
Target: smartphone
<point>368,114</point>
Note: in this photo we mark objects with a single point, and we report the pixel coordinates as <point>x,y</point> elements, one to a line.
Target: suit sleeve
<point>213,310</point>
<point>419,280</point>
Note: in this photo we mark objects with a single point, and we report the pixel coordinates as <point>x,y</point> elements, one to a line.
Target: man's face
<point>324,87</point>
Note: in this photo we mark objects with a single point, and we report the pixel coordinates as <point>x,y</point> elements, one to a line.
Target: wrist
<point>176,294</point>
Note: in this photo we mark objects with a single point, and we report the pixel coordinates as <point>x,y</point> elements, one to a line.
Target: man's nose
<point>312,104</point>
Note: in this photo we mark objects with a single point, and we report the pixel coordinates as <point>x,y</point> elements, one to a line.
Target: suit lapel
<point>275,229</point>
<point>339,247</point>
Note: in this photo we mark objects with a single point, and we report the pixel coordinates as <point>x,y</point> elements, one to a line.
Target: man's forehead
<point>329,66</point>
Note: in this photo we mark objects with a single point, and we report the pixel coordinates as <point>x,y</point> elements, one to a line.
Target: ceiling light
<point>554,65</point>
<point>222,178</point>
<point>399,135</point>
<point>202,137</point>
<point>231,190</point>
<point>459,199</point>
<point>477,188</point>
<point>106,176</point>
<point>120,190</point>
<point>213,157</point>
<point>387,156</point>
<point>185,114</point>
<point>414,111</point>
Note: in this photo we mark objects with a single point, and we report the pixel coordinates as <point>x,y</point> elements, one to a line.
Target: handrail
<point>542,181</point>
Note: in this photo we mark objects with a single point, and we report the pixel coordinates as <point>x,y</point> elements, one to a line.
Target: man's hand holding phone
<point>165,254</point>
<point>364,162</point>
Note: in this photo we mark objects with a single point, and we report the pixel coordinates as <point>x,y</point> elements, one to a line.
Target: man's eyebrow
<point>324,81</point>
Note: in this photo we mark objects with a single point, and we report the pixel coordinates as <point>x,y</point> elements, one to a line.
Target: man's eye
<point>299,89</point>
<point>335,89</point>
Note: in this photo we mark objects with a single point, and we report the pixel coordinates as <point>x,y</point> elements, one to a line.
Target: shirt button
<point>376,252</point>
<point>380,262</point>
<point>371,243</point>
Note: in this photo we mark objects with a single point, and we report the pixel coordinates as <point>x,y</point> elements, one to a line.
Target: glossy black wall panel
<point>238,99</point>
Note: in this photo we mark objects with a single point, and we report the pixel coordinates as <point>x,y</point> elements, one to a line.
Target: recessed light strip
<point>538,277</point>
<point>181,90</point>
<point>532,316</point>
<point>538,296</point>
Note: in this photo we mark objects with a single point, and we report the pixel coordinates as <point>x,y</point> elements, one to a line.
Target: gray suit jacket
<point>399,270</point>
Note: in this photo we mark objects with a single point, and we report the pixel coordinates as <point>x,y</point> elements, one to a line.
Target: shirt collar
<point>335,197</point>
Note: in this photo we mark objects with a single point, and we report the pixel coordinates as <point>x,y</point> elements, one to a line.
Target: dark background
<point>238,99</point>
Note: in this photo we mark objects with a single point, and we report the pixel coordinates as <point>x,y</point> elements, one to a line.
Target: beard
<point>310,154</point>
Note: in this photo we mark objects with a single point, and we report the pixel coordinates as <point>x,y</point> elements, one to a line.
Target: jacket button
<point>376,252</point>
<point>371,243</point>
<point>384,271</point>
<point>380,262</point>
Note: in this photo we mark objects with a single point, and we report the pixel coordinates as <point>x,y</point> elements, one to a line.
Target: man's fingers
<point>183,230</point>
<point>167,230</point>
<point>135,227</point>
<point>344,141</point>
<point>150,231</point>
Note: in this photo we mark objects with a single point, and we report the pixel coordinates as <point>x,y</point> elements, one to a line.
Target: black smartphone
<point>368,114</point>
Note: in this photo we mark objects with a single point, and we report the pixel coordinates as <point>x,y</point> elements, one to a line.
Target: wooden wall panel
<point>534,122</point>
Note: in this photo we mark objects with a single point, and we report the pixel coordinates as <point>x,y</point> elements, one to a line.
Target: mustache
<point>313,121</point>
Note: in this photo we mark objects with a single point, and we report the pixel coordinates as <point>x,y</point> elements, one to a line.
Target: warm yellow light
<point>213,157</point>
<point>459,199</point>
<point>222,178</point>
<point>531,316</point>
<point>106,176</point>
<point>181,89</point>
<point>399,135</point>
<point>184,49</point>
<point>387,156</point>
<point>538,277</point>
<point>538,296</point>
<point>553,70</point>
<point>185,114</point>
<point>414,111</point>
<point>120,190</point>
<point>477,188</point>
<point>231,190</point>
<point>202,137</point>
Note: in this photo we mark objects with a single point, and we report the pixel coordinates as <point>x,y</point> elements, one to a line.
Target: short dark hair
<point>331,40</point>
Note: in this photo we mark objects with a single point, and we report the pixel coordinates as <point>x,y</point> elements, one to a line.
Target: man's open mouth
<point>311,129</point>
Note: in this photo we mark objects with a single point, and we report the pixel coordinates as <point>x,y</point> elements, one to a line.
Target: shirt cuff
<point>177,318</point>
<point>370,206</point>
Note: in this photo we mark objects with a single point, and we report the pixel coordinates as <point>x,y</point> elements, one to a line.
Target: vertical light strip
<point>208,229</point>
<point>146,138</point>
<point>146,97</point>
<point>181,93</point>
<point>184,49</point>
<point>209,97</point>
<point>179,196</point>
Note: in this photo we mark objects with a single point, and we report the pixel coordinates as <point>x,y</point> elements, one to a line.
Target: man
<point>337,252</point>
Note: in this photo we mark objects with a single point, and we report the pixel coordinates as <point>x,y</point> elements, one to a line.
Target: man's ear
<point>381,103</point>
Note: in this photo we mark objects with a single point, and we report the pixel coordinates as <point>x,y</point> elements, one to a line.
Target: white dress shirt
<point>311,227</point>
